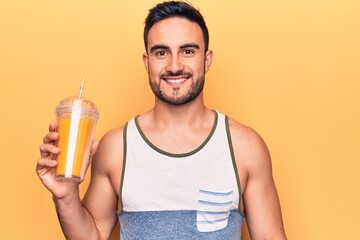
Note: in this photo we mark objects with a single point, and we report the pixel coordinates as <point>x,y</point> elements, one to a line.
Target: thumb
<point>94,147</point>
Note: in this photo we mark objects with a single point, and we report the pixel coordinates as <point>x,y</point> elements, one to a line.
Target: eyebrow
<point>158,46</point>
<point>190,45</point>
<point>164,47</point>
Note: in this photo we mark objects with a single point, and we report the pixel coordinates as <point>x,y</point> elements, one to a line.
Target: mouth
<point>177,80</point>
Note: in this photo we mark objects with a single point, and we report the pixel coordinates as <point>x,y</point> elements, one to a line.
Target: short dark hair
<point>175,9</point>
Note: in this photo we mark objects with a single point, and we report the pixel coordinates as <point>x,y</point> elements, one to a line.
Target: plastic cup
<point>76,117</point>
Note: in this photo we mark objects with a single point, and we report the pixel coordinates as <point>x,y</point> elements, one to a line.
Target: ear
<point>208,59</point>
<point>146,61</point>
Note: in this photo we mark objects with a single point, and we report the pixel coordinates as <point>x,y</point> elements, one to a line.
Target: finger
<point>91,157</point>
<point>93,150</point>
<point>94,147</point>
<point>45,163</point>
<point>53,126</point>
<point>47,150</point>
<point>51,137</point>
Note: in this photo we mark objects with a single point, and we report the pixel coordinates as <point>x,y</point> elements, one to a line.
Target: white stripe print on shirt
<point>213,210</point>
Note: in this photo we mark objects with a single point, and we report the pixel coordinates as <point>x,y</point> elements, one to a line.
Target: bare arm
<point>261,202</point>
<point>101,198</point>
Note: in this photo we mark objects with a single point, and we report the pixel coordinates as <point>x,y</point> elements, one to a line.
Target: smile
<point>176,80</point>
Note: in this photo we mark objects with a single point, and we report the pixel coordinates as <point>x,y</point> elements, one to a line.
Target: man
<point>179,171</point>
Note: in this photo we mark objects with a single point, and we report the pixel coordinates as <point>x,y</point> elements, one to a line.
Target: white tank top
<point>194,195</point>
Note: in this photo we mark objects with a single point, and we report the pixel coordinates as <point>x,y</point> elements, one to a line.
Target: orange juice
<point>75,136</point>
<point>76,118</point>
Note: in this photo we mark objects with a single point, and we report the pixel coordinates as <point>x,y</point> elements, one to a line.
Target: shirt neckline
<point>177,155</point>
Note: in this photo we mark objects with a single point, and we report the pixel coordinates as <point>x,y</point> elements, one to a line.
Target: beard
<point>194,91</point>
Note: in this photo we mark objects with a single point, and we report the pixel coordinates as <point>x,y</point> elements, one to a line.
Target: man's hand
<point>47,163</point>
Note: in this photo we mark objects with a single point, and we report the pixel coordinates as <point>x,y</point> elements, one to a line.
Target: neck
<point>177,129</point>
<point>165,114</point>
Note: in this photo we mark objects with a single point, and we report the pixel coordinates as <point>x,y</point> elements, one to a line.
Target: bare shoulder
<point>249,147</point>
<point>260,199</point>
<point>109,154</point>
<point>112,140</point>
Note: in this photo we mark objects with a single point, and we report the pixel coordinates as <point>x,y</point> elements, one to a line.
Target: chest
<point>156,180</point>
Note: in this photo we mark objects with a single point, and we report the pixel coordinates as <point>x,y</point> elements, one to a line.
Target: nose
<point>174,65</point>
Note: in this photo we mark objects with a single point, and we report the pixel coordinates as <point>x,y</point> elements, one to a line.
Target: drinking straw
<point>82,87</point>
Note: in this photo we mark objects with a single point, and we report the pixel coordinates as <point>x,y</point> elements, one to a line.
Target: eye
<point>160,54</point>
<point>188,52</point>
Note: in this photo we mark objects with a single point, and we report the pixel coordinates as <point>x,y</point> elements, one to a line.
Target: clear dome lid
<point>77,103</point>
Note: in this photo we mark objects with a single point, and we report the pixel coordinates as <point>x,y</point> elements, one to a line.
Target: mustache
<point>175,74</point>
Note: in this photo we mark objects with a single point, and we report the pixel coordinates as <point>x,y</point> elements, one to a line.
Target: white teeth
<point>176,80</point>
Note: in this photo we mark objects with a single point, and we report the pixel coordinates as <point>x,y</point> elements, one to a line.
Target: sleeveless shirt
<point>194,195</point>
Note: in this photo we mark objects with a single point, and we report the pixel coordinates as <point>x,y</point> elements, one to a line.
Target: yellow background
<point>289,69</point>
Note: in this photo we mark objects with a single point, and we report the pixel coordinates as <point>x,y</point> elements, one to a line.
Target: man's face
<point>176,60</point>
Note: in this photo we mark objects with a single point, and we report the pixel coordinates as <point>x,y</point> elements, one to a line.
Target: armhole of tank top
<point>123,168</point>
<point>234,162</point>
